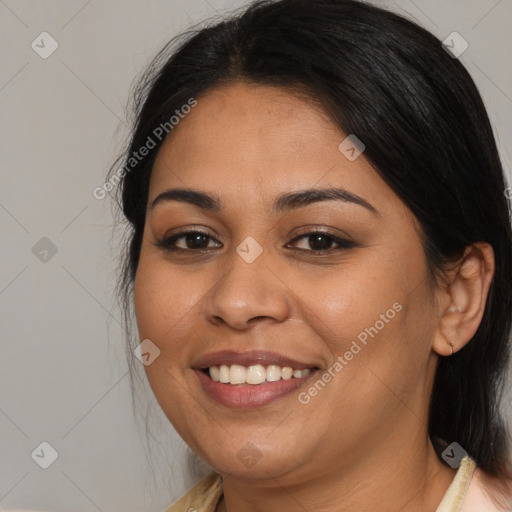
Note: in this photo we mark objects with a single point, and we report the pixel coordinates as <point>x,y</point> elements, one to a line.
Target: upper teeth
<point>255,374</point>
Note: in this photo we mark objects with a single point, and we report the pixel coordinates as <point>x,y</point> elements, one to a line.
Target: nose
<point>247,293</point>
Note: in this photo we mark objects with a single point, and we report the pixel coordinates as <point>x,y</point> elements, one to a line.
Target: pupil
<point>316,242</point>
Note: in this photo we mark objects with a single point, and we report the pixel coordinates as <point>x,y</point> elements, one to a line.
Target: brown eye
<point>193,240</point>
<point>320,242</point>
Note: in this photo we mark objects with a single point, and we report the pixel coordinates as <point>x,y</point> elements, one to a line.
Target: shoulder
<point>203,497</point>
<point>479,495</point>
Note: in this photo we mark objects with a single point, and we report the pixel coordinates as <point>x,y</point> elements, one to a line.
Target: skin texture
<point>361,443</point>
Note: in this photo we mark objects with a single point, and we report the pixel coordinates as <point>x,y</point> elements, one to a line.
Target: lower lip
<point>247,396</point>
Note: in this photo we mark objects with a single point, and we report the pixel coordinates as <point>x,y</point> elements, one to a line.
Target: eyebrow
<point>283,203</point>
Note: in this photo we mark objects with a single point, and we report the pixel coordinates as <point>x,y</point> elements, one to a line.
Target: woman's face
<point>259,292</point>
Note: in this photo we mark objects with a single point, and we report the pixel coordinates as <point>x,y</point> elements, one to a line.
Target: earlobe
<point>444,346</point>
<point>464,298</point>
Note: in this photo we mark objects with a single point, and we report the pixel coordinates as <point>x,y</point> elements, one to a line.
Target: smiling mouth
<point>254,375</point>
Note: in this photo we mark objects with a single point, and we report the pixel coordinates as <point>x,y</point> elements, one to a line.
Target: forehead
<point>259,138</point>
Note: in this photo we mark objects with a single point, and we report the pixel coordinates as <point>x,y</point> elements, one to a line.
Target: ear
<point>462,298</point>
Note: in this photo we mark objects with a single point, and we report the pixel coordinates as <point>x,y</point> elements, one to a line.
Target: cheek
<point>164,300</point>
<point>373,319</point>
<point>355,302</point>
<point>165,308</point>
<point>366,323</point>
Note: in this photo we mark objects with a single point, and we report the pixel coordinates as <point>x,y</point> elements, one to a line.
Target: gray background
<point>63,370</point>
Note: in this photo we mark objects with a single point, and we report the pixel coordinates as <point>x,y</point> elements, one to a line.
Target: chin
<point>251,461</point>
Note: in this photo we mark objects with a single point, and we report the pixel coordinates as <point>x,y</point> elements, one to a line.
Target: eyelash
<point>166,243</point>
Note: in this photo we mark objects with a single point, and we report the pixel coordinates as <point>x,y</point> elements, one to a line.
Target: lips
<point>247,392</point>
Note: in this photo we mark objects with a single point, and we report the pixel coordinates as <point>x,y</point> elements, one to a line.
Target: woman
<point>319,261</point>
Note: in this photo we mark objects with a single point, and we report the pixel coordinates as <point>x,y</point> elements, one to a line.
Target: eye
<point>322,241</point>
<point>193,240</point>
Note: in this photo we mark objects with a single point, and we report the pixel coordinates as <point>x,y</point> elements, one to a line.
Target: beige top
<point>459,497</point>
